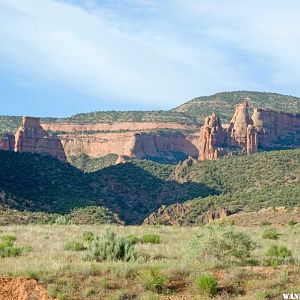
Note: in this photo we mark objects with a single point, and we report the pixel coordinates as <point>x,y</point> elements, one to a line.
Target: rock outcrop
<point>163,141</point>
<point>7,142</point>
<point>168,215</point>
<point>275,128</point>
<point>31,137</point>
<point>212,138</point>
<point>265,130</point>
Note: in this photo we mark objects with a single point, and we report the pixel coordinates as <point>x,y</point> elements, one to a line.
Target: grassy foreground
<point>163,270</point>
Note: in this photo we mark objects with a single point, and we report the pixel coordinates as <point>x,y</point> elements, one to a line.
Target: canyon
<point>265,130</point>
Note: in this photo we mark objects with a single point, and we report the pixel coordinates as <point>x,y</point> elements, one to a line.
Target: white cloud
<point>153,52</point>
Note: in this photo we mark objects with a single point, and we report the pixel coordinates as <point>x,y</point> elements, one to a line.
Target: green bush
<point>152,280</point>
<point>221,244</point>
<point>150,239</point>
<point>133,239</point>
<point>75,246</point>
<point>7,248</point>
<point>110,246</point>
<point>9,238</point>
<point>271,234</point>
<point>278,255</point>
<point>207,285</point>
<point>88,236</point>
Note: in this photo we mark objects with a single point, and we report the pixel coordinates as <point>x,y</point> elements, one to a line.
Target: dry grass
<point>68,276</point>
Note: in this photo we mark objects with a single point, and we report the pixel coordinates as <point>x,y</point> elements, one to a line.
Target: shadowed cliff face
<point>47,184</point>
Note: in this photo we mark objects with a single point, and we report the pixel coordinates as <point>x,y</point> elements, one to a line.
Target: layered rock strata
<point>31,137</point>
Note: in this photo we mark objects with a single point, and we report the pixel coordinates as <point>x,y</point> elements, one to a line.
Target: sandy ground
<point>22,289</point>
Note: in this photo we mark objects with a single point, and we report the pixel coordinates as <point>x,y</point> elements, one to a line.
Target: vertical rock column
<point>211,138</point>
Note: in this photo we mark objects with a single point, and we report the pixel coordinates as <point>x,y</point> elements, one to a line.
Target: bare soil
<point>22,289</point>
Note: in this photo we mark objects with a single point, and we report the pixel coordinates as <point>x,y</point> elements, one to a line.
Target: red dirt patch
<point>22,289</point>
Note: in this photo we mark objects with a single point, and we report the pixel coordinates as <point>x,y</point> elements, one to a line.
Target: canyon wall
<point>265,130</point>
<point>159,140</point>
<point>31,137</point>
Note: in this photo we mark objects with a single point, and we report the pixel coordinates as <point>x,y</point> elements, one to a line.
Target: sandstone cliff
<point>31,137</point>
<point>164,141</point>
<point>265,130</point>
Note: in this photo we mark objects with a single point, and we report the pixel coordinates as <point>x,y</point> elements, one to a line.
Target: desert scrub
<point>88,236</point>
<point>206,285</point>
<point>271,234</point>
<point>152,280</point>
<point>75,246</point>
<point>110,246</point>
<point>7,247</point>
<point>150,239</point>
<point>278,255</point>
<point>133,239</point>
<point>221,244</point>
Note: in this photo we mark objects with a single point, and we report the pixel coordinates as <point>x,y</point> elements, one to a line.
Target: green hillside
<point>41,183</point>
<point>247,183</point>
<point>224,104</point>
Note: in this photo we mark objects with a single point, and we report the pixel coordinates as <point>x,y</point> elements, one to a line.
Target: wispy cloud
<point>155,53</point>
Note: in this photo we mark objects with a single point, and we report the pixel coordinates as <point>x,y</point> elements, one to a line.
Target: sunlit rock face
<point>31,137</point>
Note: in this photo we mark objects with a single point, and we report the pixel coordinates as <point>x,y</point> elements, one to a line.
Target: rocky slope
<point>245,184</point>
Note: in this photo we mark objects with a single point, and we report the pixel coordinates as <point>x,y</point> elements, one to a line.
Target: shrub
<point>150,239</point>
<point>207,285</point>
<point>221,244</point>
<point>110,246</point>
<point>133,239</point>
<point>75,246</point>
<point>278,255</point>
<point>88,236</point>
<point>152,280</point>
<point>9,239</point>
<point>271,234</point>
<point>7,248</point>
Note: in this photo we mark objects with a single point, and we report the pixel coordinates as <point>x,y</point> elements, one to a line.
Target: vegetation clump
<point>110,246</point>
<point>222,244</point>
<point>278,255</point>
<point>7,247</point>
<point>150,238</point>
<point>88,236</point>
<point>75,246</point>
<point>270,234</point>
<point>207,285</point>
<point>153,280</point>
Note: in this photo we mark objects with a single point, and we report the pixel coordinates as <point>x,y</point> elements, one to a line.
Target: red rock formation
<point>272,126</point>
<point>211,138</point>
<point>31,137</point>
<point>7,142</point>
<point>217,140</point>
<point>251,140</point>
<point>239,124</point>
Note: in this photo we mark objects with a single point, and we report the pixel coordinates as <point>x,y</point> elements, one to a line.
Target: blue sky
<point>58,58</point>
